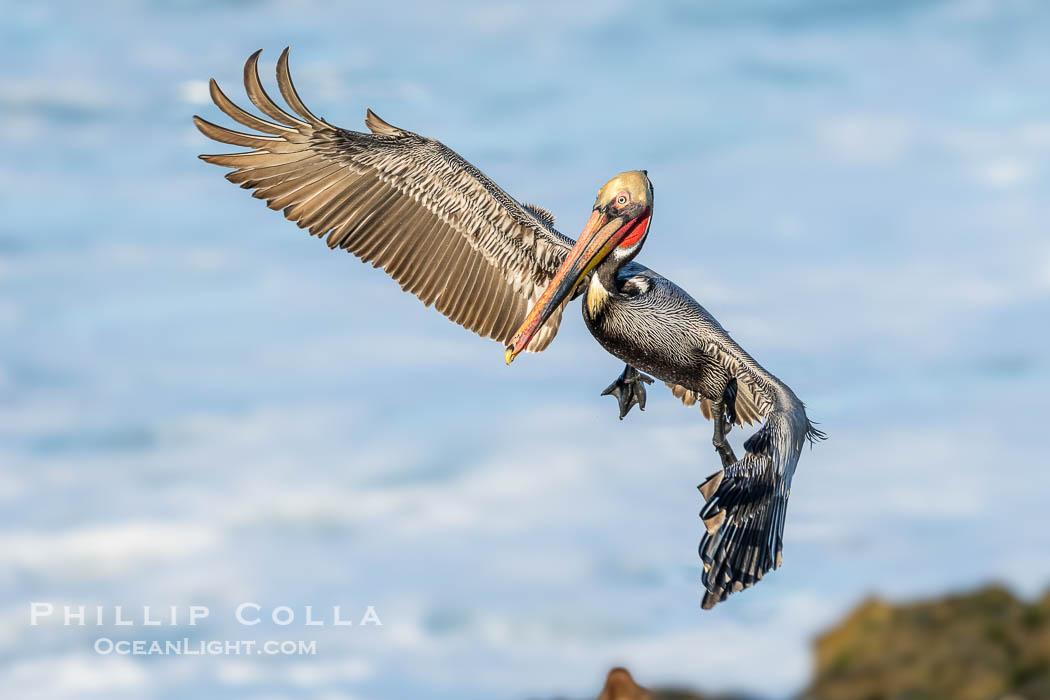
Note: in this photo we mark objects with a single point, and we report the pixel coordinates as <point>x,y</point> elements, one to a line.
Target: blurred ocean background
<point>199,404</point>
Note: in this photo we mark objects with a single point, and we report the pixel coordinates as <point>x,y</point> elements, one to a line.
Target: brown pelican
<point>453,238</point>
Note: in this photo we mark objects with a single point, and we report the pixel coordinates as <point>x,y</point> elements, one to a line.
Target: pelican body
<point>452,237</point>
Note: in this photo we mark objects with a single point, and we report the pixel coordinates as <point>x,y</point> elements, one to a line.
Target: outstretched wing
<point>747,501</point>
<point>404,202</point>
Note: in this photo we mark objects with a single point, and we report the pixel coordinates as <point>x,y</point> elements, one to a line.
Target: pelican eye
<point>621,200</point>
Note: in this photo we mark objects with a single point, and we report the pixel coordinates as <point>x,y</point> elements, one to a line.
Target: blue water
<point>201,405</point>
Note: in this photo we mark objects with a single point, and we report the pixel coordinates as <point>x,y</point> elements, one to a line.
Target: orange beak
<point>599,237</point>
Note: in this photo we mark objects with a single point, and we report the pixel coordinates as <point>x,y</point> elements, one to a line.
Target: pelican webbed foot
<point>722,426</point>
<point>629,389</point>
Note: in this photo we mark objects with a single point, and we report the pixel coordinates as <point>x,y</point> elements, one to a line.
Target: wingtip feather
<point>257,94</point>
<point>288,91</point>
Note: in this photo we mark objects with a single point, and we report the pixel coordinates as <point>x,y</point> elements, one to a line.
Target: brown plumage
<point>748,407</point>
<point>403,202</point>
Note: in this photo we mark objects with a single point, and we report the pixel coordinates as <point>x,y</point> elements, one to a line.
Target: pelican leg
<point>722,426</point>
<point>629,389</point>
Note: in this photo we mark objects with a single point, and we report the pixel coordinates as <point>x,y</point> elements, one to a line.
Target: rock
<point>619,685</point>
<point>985,645</point>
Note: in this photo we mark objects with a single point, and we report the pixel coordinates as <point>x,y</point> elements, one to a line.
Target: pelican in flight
<point>452,237</point>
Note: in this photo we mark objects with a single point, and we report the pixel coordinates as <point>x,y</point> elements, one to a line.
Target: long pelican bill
<point>599,237</point>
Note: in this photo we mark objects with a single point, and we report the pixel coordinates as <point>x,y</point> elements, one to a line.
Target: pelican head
<point>616,230</point>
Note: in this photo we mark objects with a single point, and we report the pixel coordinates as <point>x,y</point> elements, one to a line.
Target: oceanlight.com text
<point>200,647</point>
